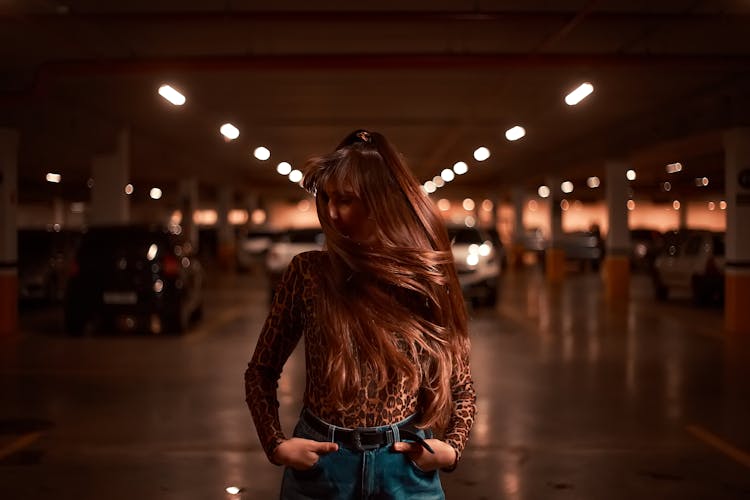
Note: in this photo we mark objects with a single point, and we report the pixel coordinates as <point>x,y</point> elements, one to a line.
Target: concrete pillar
<point>555,255</point>
<point>111,173</point>
<point>58,211</point>
<point>227,239</point>
<point>617,261</point>
<point>517,249</point>
<point>737,284</point>
<point>682,214</point>
<point>188,192</point>
<point>8,231</point>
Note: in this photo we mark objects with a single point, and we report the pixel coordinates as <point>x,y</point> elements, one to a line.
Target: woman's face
<point>348,213</point>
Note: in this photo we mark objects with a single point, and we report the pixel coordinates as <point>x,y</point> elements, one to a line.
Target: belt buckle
<point>357,436</point>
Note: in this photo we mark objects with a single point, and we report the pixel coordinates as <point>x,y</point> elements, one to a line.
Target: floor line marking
<point>19,444</point>
<point>718,443</point>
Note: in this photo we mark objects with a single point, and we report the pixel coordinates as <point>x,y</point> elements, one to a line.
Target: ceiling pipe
<point>385,16</point>
<point>48,72</point>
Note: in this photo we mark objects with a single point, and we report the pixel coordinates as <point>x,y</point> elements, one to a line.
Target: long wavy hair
<point>393,304</point>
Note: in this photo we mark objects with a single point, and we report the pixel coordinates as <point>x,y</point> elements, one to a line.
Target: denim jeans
<point>380,473</point>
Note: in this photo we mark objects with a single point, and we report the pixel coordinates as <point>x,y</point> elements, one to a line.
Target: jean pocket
<point>418,470</point>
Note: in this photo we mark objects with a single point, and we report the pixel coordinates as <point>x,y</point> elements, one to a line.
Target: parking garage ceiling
<point>440,81</point>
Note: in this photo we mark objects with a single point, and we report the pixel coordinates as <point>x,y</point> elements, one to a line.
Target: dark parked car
<point>585,248</point>
<point>139,277</point>
<point>44,260</point>
<point>645,246</point>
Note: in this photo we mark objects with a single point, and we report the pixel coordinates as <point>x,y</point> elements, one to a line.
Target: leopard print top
<point>292,315</point>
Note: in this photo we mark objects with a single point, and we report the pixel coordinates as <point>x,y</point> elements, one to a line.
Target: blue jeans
<point>351,474</point>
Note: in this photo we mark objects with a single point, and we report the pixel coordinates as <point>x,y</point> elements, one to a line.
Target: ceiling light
<point>128,189</point>
<point>630,174</point>
<point>667,186</point>
<point>262,153</point>
<point>447,175</point>
<point>460,168</point>
<point>543,192</point>
<point>631,205</point>
<point>171,95</point>
<point>295,175</point>
<point>676,205</point>
<point>701,181</point>
<point>565,205</point>
<point>711,205</point>
<point>723,205</point>
<point>566,187</point>
<point>468,204</point>
<point>429,187</point>
<point>481,153</point>
<point>54,178</point>
<point>155,193</point>
<point>444,205</point>
<point>593,182</point>
<point>515,133</point>
<point>439,182</point>
<point>674,167</point>
<point>229,131</point>
<point>284,168</point>
<point>579,94</point>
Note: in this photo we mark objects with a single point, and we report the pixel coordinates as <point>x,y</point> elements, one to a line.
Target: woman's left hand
<point>444,456</point>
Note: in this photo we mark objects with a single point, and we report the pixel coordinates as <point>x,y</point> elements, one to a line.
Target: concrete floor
<point>577,400</point>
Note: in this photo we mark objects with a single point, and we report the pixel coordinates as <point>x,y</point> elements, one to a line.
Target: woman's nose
<point>332,212</point>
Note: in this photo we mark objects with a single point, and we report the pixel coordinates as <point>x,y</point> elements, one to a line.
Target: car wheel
<point>197,314</point>
<point>174,321</point>
<point>75,323</point>
<point>661,292</point>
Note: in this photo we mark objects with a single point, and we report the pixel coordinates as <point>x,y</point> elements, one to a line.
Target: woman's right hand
<point>300,453</point>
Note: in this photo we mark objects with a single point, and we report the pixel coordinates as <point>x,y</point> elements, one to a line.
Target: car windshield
<point>103,244</point>
<point>464,235</point>
<point>303,236</point>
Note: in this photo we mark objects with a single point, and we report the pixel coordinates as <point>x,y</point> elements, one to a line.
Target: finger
<point>403,447</point>
<point>323,448</point>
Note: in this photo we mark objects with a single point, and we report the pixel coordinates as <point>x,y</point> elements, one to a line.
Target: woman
<point>386,342</point>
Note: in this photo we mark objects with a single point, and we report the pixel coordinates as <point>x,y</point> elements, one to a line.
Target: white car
<point>252,247</point>
<point>286,245</point>
<point>477,264</point>
<point>692,261</point>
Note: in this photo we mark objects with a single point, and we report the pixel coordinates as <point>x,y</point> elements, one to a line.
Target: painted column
<point>737,280</point>
<point>227,239</point>
<point>682,213</point>
<point>188,204</point>
<point>555,254</point>
<point>111,173</point>
<point>8,231</point>
<point>616,273</point>
<point>515,259</point>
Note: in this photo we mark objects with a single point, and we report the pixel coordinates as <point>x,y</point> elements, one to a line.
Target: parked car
<point>645,245</point>
<point>477,264</point>
<point>44,260</point>
<point>586,248</point>
<point>694,261</point>
<point>135,276</point>
<point>583,247</point>
<point>252,247</point>
<point>286,245</point>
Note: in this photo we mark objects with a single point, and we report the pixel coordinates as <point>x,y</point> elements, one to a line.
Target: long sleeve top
<point>292,316</point>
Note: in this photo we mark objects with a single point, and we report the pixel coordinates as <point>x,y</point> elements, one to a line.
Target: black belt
<point>363,439</point>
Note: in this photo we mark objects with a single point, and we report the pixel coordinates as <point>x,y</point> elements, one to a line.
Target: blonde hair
<point>395,305</point>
